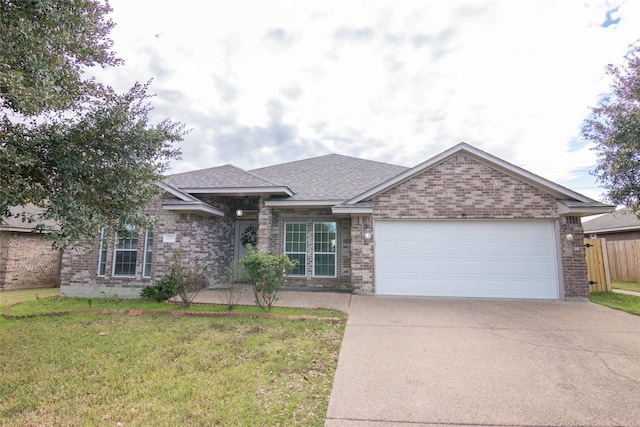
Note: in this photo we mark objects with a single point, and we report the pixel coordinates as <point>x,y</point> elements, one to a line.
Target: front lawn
<point>90,369</point>
<point>624,302</point>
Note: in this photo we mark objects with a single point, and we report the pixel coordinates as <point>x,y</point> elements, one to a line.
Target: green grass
<point>8,297</point>
<point>35,304</point>
<point>89,369</point>
<point>627,286</point>
<point>628,303</point>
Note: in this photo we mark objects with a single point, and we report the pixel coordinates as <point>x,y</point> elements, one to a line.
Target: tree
<point>614,126</point>
<point>85,154</point>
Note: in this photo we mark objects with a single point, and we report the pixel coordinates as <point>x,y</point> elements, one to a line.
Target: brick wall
<point>207,239</point>
<point>574,261</point>
<point>464,185</point>
<point>27,261</point>
<point>461,186</point>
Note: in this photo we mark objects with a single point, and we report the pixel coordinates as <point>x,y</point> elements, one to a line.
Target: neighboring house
<point>622,224</point>
<point>27,259</point>
<point>463,224</point>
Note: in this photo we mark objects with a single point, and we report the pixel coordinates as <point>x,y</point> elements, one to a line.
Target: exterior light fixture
<point>239,212</point>
<point>568,237</point>
<point>368,234</point>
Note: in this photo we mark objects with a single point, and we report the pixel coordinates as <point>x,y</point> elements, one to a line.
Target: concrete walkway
<point>440,361</point>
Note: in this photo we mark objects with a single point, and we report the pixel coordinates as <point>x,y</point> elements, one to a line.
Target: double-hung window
<point>148,252</point>
<point>102,252</point>
<point>295,246</point>
<point>125,253</point>
<point>324,249</point>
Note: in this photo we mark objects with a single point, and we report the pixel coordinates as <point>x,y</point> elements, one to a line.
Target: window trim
<point>102,253</point>
<point>334,253</point>
<point>147,274</point>
<point>116,250</point>
<point>306,246</point>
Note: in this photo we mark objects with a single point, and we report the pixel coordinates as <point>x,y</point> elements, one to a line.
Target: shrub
<point>163,289</point>
<point>266,274</point>
<point>234,276</point>
<point>185,279</point>
<point>190,276</point>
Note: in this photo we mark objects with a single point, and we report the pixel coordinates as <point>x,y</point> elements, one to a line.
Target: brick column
<point>574,261</point>
<point>362,256</point>
<point>265,221</point>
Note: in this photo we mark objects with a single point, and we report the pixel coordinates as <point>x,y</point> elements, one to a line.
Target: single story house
<point>27,259</point>
<point>461,224</point>
<point>622,224</point>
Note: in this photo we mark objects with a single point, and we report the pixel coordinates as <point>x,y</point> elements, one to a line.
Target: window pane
<point>126,253</point>
<point>295,245</point>
<point>125,263</point>
<point>324,265</point>
<point>300,270</point>
<point>324,249</point>
<point>148,251</point>
<point>102,255</point>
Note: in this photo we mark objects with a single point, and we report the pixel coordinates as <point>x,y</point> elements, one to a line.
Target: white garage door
<point>490,259</point>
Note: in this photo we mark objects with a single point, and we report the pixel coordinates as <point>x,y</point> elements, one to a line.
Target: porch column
<point>265,221</point>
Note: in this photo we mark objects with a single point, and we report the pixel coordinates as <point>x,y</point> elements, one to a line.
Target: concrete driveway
<point>428,361</point>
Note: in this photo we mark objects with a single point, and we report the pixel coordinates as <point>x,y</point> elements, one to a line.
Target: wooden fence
<point>597,265</point>
<point>624,260</point>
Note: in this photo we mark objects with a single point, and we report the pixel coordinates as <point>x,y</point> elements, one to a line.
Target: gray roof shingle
<point>329,177</point>
<point>227,176</point>
<point>623,219</point>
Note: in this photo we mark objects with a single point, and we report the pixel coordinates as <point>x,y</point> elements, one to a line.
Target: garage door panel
<point>493,259</point>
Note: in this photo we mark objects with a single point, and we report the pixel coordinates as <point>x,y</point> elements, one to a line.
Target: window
<point>102,253</point>
<point>324,249</point>
<point>148,251</point>
<point>295,246</point>
<point>125,253</point>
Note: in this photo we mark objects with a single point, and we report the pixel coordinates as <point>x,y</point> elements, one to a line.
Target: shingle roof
<point>12,223</point>
<point>330,177</point>
<point>227,176</point>
<point>620,220</point>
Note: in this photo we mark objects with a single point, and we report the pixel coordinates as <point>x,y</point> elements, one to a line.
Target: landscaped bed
<point>94,369</point>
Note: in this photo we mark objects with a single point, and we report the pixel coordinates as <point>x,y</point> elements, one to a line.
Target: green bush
<point>267,273</point>
<point>163,289</point>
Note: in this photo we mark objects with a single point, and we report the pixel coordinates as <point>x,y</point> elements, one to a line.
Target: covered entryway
<point>467,258</point>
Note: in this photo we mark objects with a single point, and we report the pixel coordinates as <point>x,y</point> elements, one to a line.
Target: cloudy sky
<point>266,82</point>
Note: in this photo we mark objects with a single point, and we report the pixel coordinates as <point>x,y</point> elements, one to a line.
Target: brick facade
<point>27,260</point>
<point>458,188</point>
<point>208,239</point>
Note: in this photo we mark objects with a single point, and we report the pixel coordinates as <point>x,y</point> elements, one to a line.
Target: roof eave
<point>194,207</point>
<point>302,203</point>
<point>352,210</point>
<point>614,230</point>
<point>564,210</point>
<point>240,191</point>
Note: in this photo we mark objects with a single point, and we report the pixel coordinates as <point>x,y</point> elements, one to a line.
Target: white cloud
<point>272,81</point>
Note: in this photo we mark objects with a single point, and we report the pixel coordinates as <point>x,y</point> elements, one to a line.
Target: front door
<point>246,234</point>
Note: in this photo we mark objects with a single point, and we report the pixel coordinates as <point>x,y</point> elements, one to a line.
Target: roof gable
<point>556,190</point>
